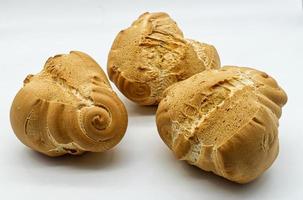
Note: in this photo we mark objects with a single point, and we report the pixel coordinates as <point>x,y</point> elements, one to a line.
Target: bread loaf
<point>152,54</point>
<point>68,108</point>
<point>224,121</point>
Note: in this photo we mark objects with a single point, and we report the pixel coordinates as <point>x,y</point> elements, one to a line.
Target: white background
<point>264,34</point>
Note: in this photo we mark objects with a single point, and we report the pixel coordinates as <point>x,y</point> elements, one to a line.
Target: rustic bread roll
<point>224,121</point>
<point>68,108</point>
<point>152,54</point>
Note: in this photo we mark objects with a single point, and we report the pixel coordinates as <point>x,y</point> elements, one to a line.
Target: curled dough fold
<point>69,107</point>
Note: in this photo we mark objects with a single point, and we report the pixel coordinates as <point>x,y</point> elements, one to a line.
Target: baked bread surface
<point>224,121</point>
<point>68,108</point>
<point>152,54</point>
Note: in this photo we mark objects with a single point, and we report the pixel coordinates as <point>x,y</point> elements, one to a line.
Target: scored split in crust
<point>207,119</point>
<point>69,107</point>
<point>152,54</point>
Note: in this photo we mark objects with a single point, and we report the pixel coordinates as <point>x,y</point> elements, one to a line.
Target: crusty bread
<point>69,107</point>
<point>224,121</point>
<point>152,54</point>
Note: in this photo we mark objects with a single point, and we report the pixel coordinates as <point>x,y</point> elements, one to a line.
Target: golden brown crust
<point>152,54</point>
<point>206,53</point>
<point>224,121</point>
<point>69,107</point>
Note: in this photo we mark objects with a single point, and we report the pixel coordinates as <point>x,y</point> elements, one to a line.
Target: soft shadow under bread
<point>87,161</point>
<point>222,184</point>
